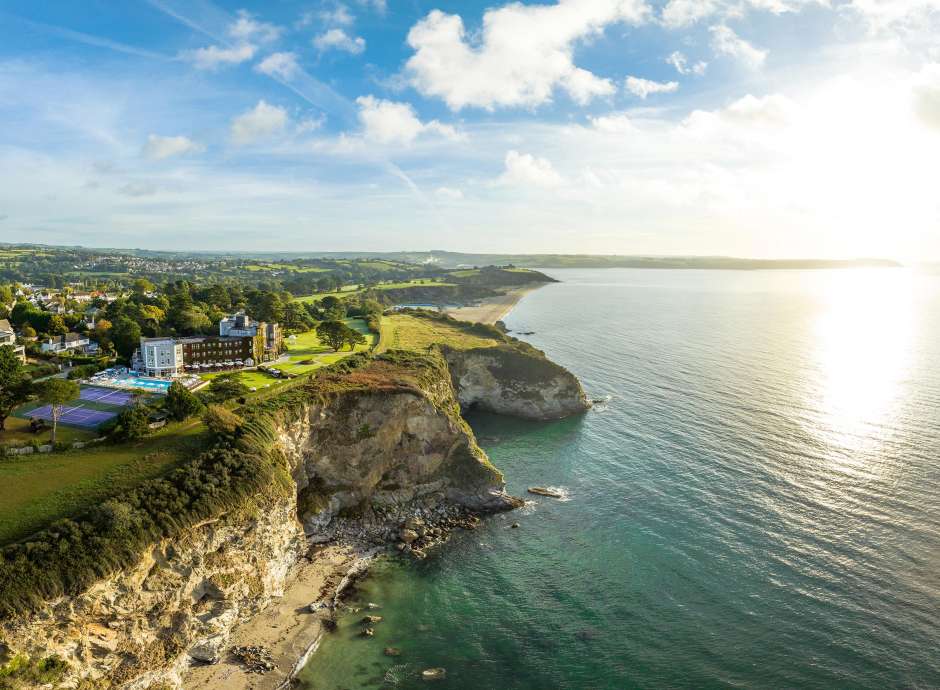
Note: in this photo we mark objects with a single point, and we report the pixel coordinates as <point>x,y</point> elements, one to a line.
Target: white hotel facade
<point>161,356</point>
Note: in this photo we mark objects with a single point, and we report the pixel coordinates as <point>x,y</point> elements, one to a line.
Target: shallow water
<point>756,505</point>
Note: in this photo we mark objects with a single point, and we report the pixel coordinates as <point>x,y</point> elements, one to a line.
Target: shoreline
<point>494,309</point>
<point>286,627</point>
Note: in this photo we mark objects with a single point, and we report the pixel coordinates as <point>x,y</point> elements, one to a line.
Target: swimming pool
<point>111,379</point>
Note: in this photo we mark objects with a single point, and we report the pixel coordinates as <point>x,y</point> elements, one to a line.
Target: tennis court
<point>106,395</point>
<point>74,416</point>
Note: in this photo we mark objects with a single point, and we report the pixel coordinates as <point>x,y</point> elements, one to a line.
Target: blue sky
<point>747,127</point>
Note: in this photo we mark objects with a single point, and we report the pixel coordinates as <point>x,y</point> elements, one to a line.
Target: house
<point>161,357</point>
<point>8,337</point>
<point>69,341</point>
<point>268,335</point>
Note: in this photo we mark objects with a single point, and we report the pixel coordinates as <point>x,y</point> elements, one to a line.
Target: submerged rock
<point>542,491</point>
<point>434,673</point>
<point>391,651</point>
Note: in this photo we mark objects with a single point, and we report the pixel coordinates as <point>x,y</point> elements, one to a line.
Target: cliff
<point>515,380</point>
<point>350,454</point>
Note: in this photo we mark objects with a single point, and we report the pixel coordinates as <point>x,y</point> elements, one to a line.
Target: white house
<point>69,341</point>
<point>160,356</point>
<point>8,337</point>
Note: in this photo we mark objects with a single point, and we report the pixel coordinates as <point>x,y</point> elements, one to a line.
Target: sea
<point>754,503</point>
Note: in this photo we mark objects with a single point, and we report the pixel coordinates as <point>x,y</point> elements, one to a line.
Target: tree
<point>142,286</point>
<point>354,337</point>
<point>337,334</point>
<point>180,402</point>
<point>125,334</point>
<point>225,387</point>
<point>133,423</point>
<point>57,392</point>
<point>15,384</point>
<point>6,294</point>
<point>29,331</point>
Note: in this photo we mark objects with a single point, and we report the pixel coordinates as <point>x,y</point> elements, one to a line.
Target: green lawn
<point>38,489</point>
<point>406,332</point>
<point>353,289</point>
<point>307,353</point>
<point>251,378</point>
<point>17,433</point>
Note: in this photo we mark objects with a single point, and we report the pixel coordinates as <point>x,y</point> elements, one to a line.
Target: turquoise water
<point>757,505</point>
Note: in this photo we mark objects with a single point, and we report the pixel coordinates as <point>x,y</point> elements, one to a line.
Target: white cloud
<point>213,57</point>
<point>677,14</point>
<point>744,117</point>
<point>390,122</point>
<point>379,6</point>
<point>525,170</point>
<point>282,65</point>
<point>261,122</point>
<point>449,193</point>
<point>644,87</point>
<point>680,13</point>
<point>681,63</point>
<point>337,39</point>
<point>247,28</point>
<point>726,42</point>
<point>613,123</point>
<point>158,147</point>
<point>926,93</point>
<point>523,53</point>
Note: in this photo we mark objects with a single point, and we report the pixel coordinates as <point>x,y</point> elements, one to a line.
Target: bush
<point>224,387</point>
<point>83,371</point>
<point>133,423</point>
<point>180,403</point>
<point>223,423</point>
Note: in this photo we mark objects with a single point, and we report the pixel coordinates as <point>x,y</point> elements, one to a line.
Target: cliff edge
<point>154,581</point>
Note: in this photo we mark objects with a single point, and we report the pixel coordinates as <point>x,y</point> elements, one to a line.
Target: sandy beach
<point>287,627</point>
<point>494,309</point>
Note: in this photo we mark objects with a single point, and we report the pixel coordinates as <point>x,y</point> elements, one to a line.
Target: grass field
<point>38,489</point>
<point>353,289</point>
<point>307,353</point>
<point>288,268</point>
<point>251,378</point>
<point>17,432</point>
<point>406,332</point>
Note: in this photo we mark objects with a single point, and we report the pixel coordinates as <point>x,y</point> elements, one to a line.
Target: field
<point>37,489</point>
<point>17,432</point>
<point>306,352</point>
<point>353,289</point>
<point>406,332</point>
<point>251,378</point>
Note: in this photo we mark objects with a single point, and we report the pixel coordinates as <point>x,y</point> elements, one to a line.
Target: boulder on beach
<point>408,535</point>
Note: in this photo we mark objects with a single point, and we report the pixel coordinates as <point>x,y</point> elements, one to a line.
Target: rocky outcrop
<point>515,380</point>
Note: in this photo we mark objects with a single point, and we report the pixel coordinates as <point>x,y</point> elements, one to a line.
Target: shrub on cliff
<point>72,554</point>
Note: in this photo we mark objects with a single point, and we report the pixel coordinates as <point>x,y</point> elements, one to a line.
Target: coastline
<point>494,309</point>
<point>286,627</point>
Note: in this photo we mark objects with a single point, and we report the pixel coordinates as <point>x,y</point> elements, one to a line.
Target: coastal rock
<point>372,619</point>
<point>368,632</point>
<point>434,674</point>
<point>514,380</point>
<point>391,651</point>
<point>408,536</point>
<point>209,651</point>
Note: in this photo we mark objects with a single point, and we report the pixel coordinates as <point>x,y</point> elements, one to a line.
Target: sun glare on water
<point>864,342</point>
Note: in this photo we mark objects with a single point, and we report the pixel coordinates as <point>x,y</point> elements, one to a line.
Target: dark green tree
<point>133,423</point>
<point>125,335</point>
<point>15,384</point>
<point>180,402</point>
<point>225,387</point>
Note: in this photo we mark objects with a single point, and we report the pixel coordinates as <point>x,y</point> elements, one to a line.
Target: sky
<point>760,128</point>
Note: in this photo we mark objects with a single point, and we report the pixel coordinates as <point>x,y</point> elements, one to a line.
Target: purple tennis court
<point>106,395</point>
<point>75,416</point>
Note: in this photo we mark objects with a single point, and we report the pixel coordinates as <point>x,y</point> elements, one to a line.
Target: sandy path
<point>494,309</point>
<point>286,627</point>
